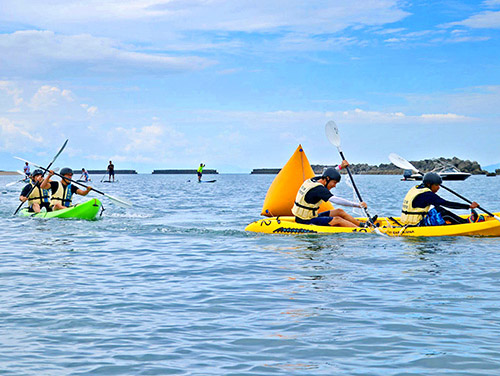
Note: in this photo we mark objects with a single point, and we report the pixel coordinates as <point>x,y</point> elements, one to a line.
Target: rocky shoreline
<point>425,165</point>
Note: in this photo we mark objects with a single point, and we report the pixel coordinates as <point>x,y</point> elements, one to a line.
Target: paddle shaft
<point>115,199</point>
<point>36,184</point>
<point>462,197</point>
<point>355,187</point>
<point>77,182</point>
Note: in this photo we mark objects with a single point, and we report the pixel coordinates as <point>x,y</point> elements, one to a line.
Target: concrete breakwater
<point>264,171</point>
<point>117,172</point>
<point>184,172</point>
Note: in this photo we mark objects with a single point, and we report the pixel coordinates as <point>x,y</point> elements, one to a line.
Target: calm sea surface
<point>175,286</point>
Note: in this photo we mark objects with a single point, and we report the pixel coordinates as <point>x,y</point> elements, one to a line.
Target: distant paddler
<point>314,192</point>
<point>417,204</point>
<point>85,175</point>
<point>200,172</point>
<point>62,191</point>
<point>37,197</point>
<point>111,171</point>
<point>26,170</point>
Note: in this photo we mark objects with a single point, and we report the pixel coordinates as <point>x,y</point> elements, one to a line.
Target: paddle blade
<point>332,133</point>
<point>119,201</point>
<point>402,163</point>
<point>13,183</point>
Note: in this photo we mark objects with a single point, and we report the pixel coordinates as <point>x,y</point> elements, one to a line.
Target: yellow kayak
<point>287,225</point>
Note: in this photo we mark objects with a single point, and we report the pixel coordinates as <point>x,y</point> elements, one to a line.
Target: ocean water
<point>175,286</point>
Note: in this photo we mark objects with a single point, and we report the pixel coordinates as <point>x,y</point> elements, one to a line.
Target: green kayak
<point>86,210</point>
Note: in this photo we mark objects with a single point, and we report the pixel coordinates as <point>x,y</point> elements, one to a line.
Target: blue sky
<point>239,84</point>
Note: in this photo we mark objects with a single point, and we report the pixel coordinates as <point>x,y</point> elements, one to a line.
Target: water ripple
<point>174,286</point>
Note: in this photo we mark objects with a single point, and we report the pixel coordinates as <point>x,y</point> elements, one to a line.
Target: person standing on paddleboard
<point>38,198</point>
<point>62,191</point>
<point>200,172</point>
<point>314,192</point>
<point>111,170</point>
<point>419,199</point>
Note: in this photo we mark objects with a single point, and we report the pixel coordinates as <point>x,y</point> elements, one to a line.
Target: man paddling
<point>38,198</point>
<point>314,192</point>
<point>62,191</point>
<point>419,199</point>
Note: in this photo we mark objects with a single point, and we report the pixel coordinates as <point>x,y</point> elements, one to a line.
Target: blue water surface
<point>175,286</point>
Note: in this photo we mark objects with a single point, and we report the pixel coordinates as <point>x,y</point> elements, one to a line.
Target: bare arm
<point>82,192</point>
<point>46,181</point>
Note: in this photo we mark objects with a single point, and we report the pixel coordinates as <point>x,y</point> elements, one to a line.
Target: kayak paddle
<point>332,133</point>
<point>405,165</point>
<point>50,164</point>
<point>22,173</point>
<point>116,200</point>
<point>17,181</point>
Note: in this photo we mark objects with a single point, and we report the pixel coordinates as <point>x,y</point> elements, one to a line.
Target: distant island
<point>425,165</point>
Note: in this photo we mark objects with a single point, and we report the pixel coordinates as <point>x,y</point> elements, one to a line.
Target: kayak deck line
<point>287,225</point>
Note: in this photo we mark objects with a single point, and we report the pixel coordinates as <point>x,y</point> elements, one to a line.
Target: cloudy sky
<point>238,84</point>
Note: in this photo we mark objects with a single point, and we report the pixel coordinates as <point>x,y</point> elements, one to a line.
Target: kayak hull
<point>287,225</point>
<point>87,210</point>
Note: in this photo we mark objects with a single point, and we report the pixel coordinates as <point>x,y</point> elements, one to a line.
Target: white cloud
<point>155,142</point>
<point>483,20</point>
<point>445,117</point>
<point>49,96</point>
<point>322,16</point>
<point>12,91</point>
<point>45,51</point>
<point>40,108</point>
<point>390,31</point>
<point>476,102</point>
<point>492,3</point>
<point>15,137</point>
<point>397,117</point>
<point>91,110</point>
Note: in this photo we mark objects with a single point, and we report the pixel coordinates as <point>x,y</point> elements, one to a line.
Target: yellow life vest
<point>200,169</point>
<point>38,195</point>
<point>62,195</point>
<point>411,215</point>
<point>301,207</point>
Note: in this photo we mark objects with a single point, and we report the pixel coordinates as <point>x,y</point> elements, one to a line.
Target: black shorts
<point>323,219</point>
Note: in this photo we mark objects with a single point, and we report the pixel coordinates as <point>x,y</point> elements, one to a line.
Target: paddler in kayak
<point>419,199</point>
<point>62,191</point>
<point>316,190</point>
<point>38,198</point>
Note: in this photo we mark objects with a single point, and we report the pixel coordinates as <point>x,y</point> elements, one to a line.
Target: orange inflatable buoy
<point>283,190</point>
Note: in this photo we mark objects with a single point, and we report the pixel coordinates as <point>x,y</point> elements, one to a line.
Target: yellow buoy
<point>283,190</point>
